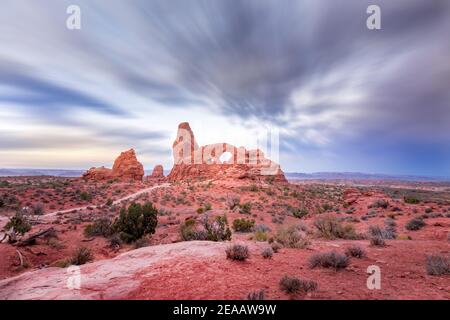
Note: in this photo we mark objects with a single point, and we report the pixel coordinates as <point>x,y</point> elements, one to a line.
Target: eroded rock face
<point>219,161</point>
<point>98,174</point>
<point>158,172</point>
<point>126,167</point>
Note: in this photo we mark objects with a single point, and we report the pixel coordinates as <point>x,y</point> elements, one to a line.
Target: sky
<point>341,96</point>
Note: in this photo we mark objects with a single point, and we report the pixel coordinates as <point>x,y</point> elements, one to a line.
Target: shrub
<point>378,232</point>
<point>275,246</point>
<point>19,223</point>
<point>438,265</point>
<point>109,202</point>
<point>415,224</point>
<point>292,237</point>
<point>134,223</point>
<point>233,202</point>
<point>260,236</point>
<point>380,203</point>
<point>85,196</point>
<point>411,200</point>
<point>38,209</point>
<point>329,260</point>
<point>141,243</point>
<point>300,213</point>
<point>377,242</point>
<point>215,230</point>
<point>428,210</point>
<point>200,210</point>
<point>208,206</point>
<point>355,252</point>
<point>256,295</point>
<point>267,253</point>
<point>293,285</point>
<point>81,256</point>
<point>329,227</point>
<point>237,252</point>
<point>101,227</point>
<point>115,241</point>
<point>243,225</point>
<point>245,208</point>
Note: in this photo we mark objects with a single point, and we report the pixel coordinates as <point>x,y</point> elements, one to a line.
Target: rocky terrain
<point>250,235</point>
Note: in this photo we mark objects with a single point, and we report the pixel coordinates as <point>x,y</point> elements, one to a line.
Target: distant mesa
<point>126,167</point>
<point>219,161</point>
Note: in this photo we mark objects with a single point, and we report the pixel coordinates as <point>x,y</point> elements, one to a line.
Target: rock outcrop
<point>126,167</point>
<point>219,161</point>
<point>158,172</point>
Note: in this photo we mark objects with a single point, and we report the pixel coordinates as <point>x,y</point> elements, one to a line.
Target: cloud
<point>336,89</point>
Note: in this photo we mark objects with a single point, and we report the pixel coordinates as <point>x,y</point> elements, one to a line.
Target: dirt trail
<point>46,216</point>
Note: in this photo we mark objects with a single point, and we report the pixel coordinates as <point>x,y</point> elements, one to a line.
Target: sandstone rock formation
<point>219,161</point>
<point>158,172</point>
<point>126,167</point>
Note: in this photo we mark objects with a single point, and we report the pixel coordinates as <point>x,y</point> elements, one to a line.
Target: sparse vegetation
<point>18,223</point>
<point>329,260</point>
<point>267,253</point>
<point>377,242</point>
<point>243,225</point>
<point>437,265</point>
<point>415,224</point>
<point>329,227</point>
<point>355,252</point>
<point>293,285</point>
<point>101,227</point>
<point>293,236</point>
<point>237,252</point>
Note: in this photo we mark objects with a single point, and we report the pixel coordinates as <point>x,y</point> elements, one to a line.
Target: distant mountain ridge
<point>359,176</point>
<point>289,175</point>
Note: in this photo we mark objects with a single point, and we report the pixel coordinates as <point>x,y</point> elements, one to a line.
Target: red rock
<point>206,162</point>
<point>97,174</point>
<point>158,172</point>
<point>126,167</point>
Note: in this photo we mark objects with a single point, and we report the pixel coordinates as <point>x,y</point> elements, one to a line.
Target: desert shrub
<point>292,237</point>
<point>300,212</point>
<point>377,242</point>
<point>411,200</point>
<point>261,236</point>
<point>19,223</point>
<point>115,240</point>
<point>200,210</point>
<point>245,208</point>
<point>215,229</point>
<point>378,232</point>
<point>85,196</point>
<point>81,256</point>
<point>256,295</point>
<point>267,253</point>
<point>243,225</point>
<point>275,246</point>
<point>415,224</point>
<point>237,252</point>
<point>329,227</point>
<point>380,203</point>
<point>428,210</point>
<point>100,227</point>
<point>355,252</point>
<point>233,201</point>
<point>109,202</point>
<point>294,285</point>
<point>329,260</point>
<point>437,265</point>
<point>136,221</point>
<point>207,206</point>
<point>261,227</point>
<point>37,209</point>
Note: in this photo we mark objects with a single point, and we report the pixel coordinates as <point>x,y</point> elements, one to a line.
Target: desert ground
<point>395,226</point>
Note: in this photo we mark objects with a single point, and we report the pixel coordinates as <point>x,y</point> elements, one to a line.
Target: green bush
<point>101,227</point>
<point>411,200</point>
<point>79,257</point>
<point>19,223</point>
<point>85,196</point>
<point>300,212</point>
<point>415,224</point>
<point>245,208</point>
<point>209,229</point>
<point>135,222</point>
<point>329,227</point>
<point>243,225</point>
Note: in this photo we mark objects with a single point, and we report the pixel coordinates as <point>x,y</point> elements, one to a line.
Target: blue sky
<point>343,97</point>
